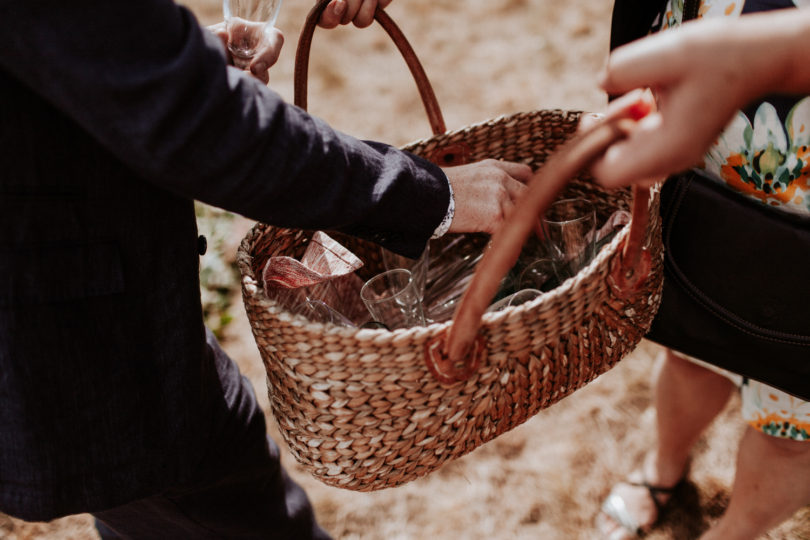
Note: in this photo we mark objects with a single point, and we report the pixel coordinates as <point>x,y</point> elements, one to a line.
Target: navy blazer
<point>114,117</point>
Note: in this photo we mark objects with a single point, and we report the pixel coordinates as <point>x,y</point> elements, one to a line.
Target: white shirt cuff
<point>448,217</point>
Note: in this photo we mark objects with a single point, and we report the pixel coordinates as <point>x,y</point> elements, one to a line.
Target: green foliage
<point>219,277</point>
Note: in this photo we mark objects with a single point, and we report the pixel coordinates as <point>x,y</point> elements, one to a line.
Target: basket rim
<point>253,288</point>
<point>506,117</point>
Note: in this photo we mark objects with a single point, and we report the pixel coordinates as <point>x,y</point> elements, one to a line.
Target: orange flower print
<point>767,161</point>
<point>775,412</point>
<point>721,8</point>
<point>673,14</point>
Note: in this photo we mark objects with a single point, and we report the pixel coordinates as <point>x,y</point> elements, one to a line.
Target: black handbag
<point>736,283</point>
<point>736,273</point>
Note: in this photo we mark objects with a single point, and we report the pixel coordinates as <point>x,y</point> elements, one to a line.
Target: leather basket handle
<point>452,356</point>
<point>432,109</point>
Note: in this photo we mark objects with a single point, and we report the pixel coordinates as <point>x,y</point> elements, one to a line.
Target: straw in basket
<point>367,409</point>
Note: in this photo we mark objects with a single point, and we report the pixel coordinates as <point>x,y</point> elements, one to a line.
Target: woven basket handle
<point>452,356</point>
<point>434,113</point>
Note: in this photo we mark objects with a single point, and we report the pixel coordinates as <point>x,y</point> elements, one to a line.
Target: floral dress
<point>764,153</point>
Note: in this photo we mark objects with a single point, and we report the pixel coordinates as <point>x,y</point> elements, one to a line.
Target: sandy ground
<point>546,478</point>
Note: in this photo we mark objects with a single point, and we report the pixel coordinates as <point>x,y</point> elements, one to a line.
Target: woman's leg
<point>772,482</point>
<point>687,398</point>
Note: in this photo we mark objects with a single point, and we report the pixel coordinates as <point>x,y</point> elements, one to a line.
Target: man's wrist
<point>444,226</point>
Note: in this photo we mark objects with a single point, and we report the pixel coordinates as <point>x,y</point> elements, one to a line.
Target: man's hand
<point>485,193</point>
<point>265,57</point>
<point>359,12</point>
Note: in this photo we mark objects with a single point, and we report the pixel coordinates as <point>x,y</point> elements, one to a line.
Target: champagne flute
<point>570,230</point>
<point>418,267</point>
<point>248,24</point>
<point>392,299</point>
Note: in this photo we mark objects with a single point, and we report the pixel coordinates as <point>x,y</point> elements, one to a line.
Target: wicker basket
<point>366,409</point>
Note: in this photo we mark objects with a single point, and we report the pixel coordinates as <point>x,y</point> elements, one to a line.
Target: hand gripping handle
<point>434,113</point>
<point>452,356</point>
<point>455,354</point>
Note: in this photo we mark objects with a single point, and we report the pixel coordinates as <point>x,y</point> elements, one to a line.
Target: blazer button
<point>202,245</point>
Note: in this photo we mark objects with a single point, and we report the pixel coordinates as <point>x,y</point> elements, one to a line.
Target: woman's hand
<point>485,193</point>
<point>634,105</point>
<point>359,12</point>
<point>265,57</point>
<point>700,74</point>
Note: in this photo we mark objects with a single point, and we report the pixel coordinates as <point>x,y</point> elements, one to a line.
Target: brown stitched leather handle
<point>462,350</point>
<point>434,113</point>
<point>453,355</point>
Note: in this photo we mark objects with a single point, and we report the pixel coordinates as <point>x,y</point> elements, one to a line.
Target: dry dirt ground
<point>546,478</point>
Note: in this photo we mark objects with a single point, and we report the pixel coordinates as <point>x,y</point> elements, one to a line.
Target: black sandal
<point>615,508</point>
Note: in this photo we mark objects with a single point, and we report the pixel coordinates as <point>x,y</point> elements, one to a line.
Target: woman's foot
<point>634,506</point>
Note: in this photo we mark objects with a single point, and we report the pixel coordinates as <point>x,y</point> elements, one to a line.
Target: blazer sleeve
<point>152,86</point>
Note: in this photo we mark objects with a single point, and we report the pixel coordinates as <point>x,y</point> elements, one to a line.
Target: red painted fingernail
<point>639,109</point>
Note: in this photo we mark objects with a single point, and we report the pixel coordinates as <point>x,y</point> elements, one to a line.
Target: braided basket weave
<point>364,409</point>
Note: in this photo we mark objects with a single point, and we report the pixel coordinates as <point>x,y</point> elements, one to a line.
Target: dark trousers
<point>240,491</point>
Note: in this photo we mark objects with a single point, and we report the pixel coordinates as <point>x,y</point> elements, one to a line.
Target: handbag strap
<point>429,100</point>
<point>690,9</point>
<point>633,19</point>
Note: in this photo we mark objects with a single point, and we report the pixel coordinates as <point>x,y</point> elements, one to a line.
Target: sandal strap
<point>657,490</point>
